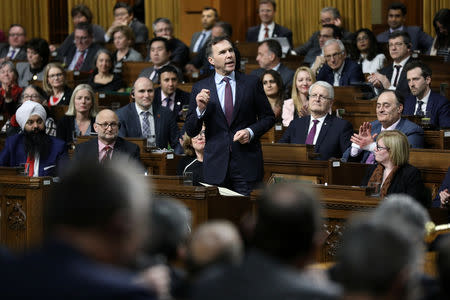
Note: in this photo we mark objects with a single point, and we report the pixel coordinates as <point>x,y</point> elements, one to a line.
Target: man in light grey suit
<point>201,38</point>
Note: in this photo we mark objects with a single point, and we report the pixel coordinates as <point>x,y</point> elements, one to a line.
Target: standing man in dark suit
<point>268,28</point>
<point>15,49</point>
<point>393,77</point>
<point>168,95</point>
<point>396,18</point>
<point>329,135</point>
<point>339,70</point>
<point>424,102</point>
<point>81,57</point>
<point>236,113</point>
<point>123,15</point>
<point>108,144</point>
<point>201,38</point>
<point>142,119</point>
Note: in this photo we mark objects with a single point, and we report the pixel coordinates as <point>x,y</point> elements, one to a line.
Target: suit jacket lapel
<point>215,98</point>
<point>157,120</point>
<point>304,134</point>
<point>327,123</point>
<point>136,119</point>
<point>240,86</point>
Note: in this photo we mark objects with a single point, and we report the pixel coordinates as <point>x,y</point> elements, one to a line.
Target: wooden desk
<point>160,163</point>
<point>113,100</point>
<point>132,69</point>
<point>273,135</point>
<point>21,208</point>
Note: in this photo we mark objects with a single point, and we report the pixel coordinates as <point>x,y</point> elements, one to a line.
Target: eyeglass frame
<point>105,126</point>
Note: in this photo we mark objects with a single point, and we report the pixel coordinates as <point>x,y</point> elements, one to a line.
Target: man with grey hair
<point>162,27</point>
<point>339,70</point>
<point>329,135</point>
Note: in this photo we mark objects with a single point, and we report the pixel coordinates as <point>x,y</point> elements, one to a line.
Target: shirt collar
<point>218,78</point>
<point>276,67</point>
<point>398,29</point>
<point>164,96</point>
<point>392,127</point>
<point>101,145</point>
<point>339,71</point>
<point>403,62</point>
<point>271,26</point>
<point>425,98</point>
<point>139,110</point>
<point>321,119</point>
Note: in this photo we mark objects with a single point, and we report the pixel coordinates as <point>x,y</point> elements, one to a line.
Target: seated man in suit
<point>424,102</point>
<point>15,48</point>
<point>97,218</point>
<point>160,52</point>
<point>81,57</point>
<point>201,38</point>
<point>389,111</point>
<point>272,268</point>
<point>268,28</point>
<point>108,144</point>
<point>168,94</point>
<point>329,135</point>
<point>40,153</point>
<point>123,15</point>
<point>396,18</point>
<point>339,69</point>
<point>269,58</point>
<point>393,76</point>
<point>142,119</point>
<point>162,27</point>
<point>315,56</point>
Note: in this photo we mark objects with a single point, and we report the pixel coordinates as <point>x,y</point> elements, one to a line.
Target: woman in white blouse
<point>367,53</point>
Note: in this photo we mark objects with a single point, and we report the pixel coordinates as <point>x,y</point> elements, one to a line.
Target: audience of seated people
<point>55,85</point>
<point>366,51</point>
<point>123,39</point>
<point>316,58</point>
<point>193,161</point>
<point>103,79</point>
<point>273,88</point>
<point>37,57</point>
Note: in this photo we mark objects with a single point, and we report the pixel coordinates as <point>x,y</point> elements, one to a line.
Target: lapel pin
<point>178,103</point>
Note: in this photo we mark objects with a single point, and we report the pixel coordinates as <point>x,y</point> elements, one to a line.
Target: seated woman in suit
<point>297,106</point>
<point>80,116</point>
<point>123,40</point>
<point>366,51</point>
<point>392,171</point>
<point>193,161</point>
<point>37,57</point>
<point>10,91</point>
<point>103,79</point>
<point>273,87</point>
<point>55,85</point>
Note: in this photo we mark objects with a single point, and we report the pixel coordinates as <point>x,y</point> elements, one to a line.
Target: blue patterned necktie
<point>145,124</point>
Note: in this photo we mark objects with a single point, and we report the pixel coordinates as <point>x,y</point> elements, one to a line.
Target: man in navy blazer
<point>396,19</point>
<point>339,70</point>
<point>268,28</point>
<point>331,135</point>
<point>423,101</point>
<point>389,112</point>
<point>236,113</point>
<point>161,128</point>
<point>42,153</point>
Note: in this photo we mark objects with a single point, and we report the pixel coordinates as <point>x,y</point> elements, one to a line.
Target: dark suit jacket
<point>148,71</point>
<point>445,185</point>
<point>351,73</point>
<point>13,154</point>
<point>89,150</point>
<point>286,74</point>
<point>180,52</point>
<point>88,64</point>
<point>278,31</point>
<point>22,55</point>
<point>251,109</point>
<point>181,98</point>
<point>66,127</point>
<point>402,84</point>
<point>419,39</point>
<point>194,39</point>
<point>407,180</point>
<point>59,271</point>
<point>438,106</point>
<point>140,31</point>
<point>333,139</point>
<point>166,128</point>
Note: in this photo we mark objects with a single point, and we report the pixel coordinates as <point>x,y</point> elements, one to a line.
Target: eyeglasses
<point>363,38</point>
<point>34,97</point>
<point>325,21</point>
<point>320,97</point>
<point>53,76</point>
<point>81,38</point>
<point>167,29</point>
<point>16,34</point>
<point>379,148</point>
<point>328,57</point>
<point>113,125</point>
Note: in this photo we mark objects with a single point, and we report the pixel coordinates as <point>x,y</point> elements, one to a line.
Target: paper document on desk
<point>223,191</point>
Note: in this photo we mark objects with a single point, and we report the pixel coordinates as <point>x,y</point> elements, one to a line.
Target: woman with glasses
<point>37,56</point>
<point>366,52</point>
<point>55,85</point>
<point>193,161</point>
<point>123,40</point>
<point>297,106</point>
<point>80,116</point>
<point>392,174</point>
<point>9,91</point>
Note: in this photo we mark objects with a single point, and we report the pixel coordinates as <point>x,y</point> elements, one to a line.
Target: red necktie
<point>312,133</point>
<point>266,35</point>
<point>80,62</point>
<point>30,164</point>
<point>228,100</point>
<point>107,155</point>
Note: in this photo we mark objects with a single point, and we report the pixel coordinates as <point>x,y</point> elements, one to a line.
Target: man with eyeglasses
<point>339,70</point>
<point>389,117</point>
<point>315,55</point>
<point>329,135</point>
<point>162,27</point>
<point>15,48</point>
<point>108,144</point>
<point>123,15</point>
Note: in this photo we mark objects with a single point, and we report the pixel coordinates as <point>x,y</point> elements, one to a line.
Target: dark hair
<point>443,17</point>
<point>226,27</point>
<point>274,4</point>
<point>83,10</point>
<point>123,5</point>
<point>406,37</point>
<point>41,47</point>
<point>18,25</point>
<point>107,52</point>
<point>214,41</point>
<point>288,221</point>
<point>168,68</point>
<point>373,44</point>
<point>278,82</point>
<point>216,14</point>
<point>337,32</point>
<point>166,43</point>
<point>85,27</point>
<point>426,70</point>
<point>274,47</point>
<point>398,5</point>
<point>162,20</point>
<point>398,96</point>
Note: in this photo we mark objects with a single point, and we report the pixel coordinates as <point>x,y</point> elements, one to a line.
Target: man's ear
<point>428,80</point>
<point>400,108</point>
<point>211,60</point>
<point>95,127</point>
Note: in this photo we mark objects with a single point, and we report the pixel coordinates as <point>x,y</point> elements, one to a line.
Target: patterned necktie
<point>80,62</point>
<point>107,150</point>
<point>228,100</point>
<point>266,34</point>
<point>145,124</point>
<point>11,55</point>
<point>398,67</point>
<point>168,103</point>
<point>312,133</point>
<point>419,111</point>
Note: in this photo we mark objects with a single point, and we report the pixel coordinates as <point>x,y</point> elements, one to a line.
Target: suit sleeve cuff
<point>200,114</point>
